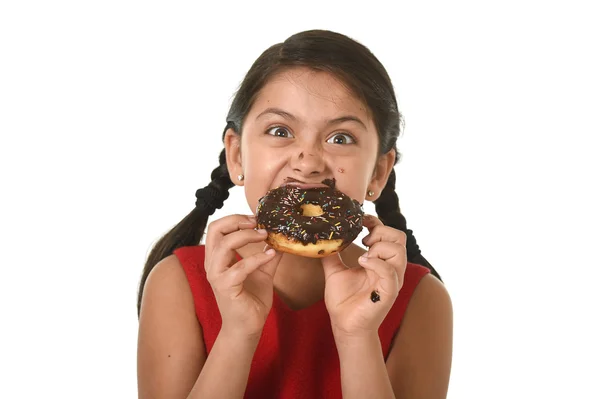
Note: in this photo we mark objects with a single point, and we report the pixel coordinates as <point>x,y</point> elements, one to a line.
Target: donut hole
<point>311,210</point>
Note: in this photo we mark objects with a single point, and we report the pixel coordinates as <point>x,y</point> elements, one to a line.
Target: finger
<point>271,266</point>
<point>226,225</point>
<point>389,283</point>
<point>333,264</point>
<point>379,232</point>
<point>237,274</point>
<point>223,255</point>
<point>370,221</point>
<point>387,251</point>
<point>391,253</point>
<point>384,234</point>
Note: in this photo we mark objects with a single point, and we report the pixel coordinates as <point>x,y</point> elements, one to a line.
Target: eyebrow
<point>287,115</point>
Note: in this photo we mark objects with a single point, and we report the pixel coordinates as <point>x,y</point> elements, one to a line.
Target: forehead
<point>311,94</point>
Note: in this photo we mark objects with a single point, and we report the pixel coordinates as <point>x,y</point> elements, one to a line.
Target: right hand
<point>244,289</point>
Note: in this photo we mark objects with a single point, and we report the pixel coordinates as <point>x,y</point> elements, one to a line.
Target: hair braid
<point>216,192</point>
<point>190,230</point>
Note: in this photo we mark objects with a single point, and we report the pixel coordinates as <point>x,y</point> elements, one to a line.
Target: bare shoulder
<point>170,347</point>
<point>431,293</point>
<point>167,277</point>
<point>420,358</point>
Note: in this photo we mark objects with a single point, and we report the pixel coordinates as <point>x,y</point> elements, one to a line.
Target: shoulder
<point>413,276</point>
<point>180,276</point>
<point>167,278</point>
<point>425,281</point>
<point>430,295</point>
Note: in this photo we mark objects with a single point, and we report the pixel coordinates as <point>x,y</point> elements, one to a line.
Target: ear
<point>383,168</point>
<point>233,154</point>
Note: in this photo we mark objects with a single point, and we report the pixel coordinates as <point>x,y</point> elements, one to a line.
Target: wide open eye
<point>279,131</point>
<point>341,138</point>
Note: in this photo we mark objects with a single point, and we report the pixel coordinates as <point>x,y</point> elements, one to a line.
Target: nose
<point>308,161</point>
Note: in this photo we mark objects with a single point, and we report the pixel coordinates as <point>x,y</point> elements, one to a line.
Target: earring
<point>370,193</point>
<point>240,177</point>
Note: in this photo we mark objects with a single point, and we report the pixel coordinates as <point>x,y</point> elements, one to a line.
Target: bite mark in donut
<point>313,222</point>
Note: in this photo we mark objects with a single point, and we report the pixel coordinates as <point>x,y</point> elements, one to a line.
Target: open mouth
<point>290,181</point>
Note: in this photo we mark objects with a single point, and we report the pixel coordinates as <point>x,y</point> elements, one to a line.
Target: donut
<point>314,222</point>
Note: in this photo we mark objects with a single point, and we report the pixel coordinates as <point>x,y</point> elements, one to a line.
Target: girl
<point>233,318</point>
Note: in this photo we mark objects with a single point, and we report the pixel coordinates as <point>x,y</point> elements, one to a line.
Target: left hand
<point>348,291</point>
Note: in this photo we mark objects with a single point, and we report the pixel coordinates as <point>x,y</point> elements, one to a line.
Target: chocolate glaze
<point>279,211</point>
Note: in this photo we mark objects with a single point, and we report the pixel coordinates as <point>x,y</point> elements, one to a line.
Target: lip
<point>290,181</point>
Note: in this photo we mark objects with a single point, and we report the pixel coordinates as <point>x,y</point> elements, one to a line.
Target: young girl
<point>233,318</point>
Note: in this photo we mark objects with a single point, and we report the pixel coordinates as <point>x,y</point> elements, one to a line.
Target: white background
<point>111,115</point>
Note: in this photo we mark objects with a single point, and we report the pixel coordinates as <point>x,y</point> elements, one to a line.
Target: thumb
<point>333,264</point>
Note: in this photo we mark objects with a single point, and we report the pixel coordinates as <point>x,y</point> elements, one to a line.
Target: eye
<point>279,131</point>
<point>341,138</point>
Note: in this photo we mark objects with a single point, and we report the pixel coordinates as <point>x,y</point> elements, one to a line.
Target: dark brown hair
<point>321,50</point>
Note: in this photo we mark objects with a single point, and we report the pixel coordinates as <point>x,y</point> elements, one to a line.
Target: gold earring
<point>370,193</point>
<point>240,177</point>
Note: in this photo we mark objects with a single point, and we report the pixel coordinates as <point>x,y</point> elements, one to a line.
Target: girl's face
<point>306,126</point>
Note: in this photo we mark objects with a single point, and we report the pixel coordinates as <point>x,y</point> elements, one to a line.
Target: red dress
<point>296,356</point>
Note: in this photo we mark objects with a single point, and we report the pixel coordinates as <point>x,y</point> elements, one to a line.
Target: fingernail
<point>270,251</point>
<point>262,231</point>
<point>252,218</point>
<point>363,257</point>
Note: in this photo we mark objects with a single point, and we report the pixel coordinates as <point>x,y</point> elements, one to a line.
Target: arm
<point>420,359</point>
<point>418,365</point>
<point>362,367</point>
<point>172,361</point>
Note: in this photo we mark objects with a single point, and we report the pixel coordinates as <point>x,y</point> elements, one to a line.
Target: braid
<point>190,230</point>
<point>212,196</point>
<point>388,210</point>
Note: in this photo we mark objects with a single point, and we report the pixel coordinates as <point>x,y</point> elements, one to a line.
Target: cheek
<point>261,170</point>
<point>262,164</point>
<point>353,177</point>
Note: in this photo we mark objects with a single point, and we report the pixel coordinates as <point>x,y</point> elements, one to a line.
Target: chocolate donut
<point>313,222</point>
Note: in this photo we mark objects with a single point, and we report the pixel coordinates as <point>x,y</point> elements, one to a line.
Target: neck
<point>292,269</point>
<point>300,281</point>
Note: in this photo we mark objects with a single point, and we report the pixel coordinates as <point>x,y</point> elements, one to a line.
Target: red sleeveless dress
<point>296,356</point>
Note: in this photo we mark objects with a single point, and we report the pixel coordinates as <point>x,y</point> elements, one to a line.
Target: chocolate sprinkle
<point>280,211</point>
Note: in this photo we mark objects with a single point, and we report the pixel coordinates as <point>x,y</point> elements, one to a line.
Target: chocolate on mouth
<point>329,182</point>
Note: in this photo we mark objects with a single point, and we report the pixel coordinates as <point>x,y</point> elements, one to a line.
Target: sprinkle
<point>330,235</point>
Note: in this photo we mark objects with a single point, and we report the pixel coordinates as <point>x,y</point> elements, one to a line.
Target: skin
<point>299,143</point>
